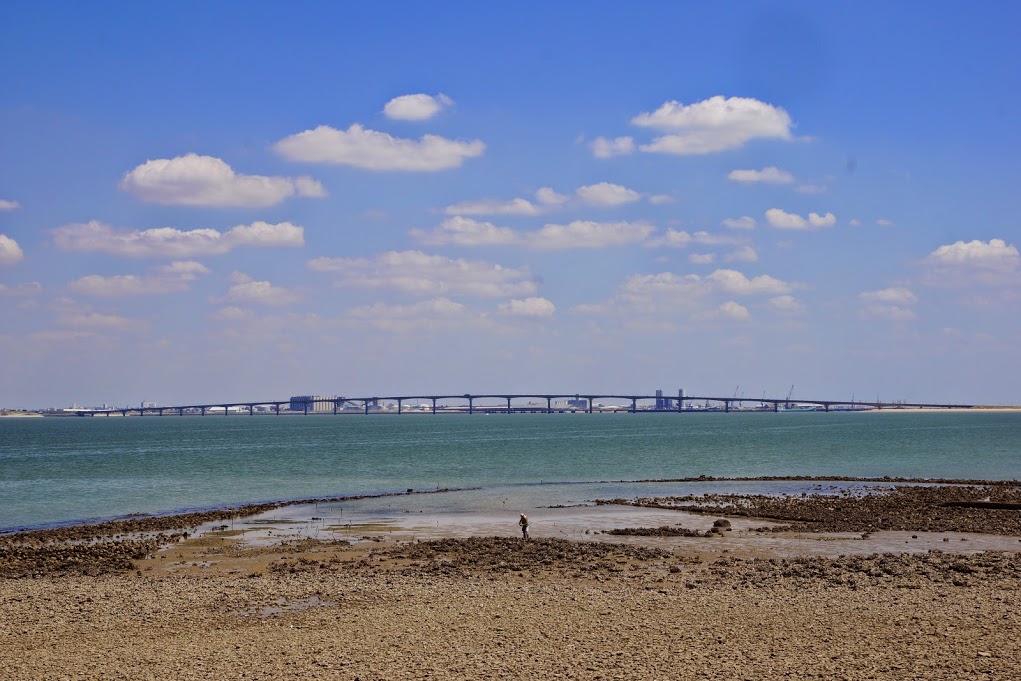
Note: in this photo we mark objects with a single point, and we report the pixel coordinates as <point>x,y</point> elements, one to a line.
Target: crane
<point>789,393</point>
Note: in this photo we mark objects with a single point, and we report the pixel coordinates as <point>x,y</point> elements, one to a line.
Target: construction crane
<point>789,393</point>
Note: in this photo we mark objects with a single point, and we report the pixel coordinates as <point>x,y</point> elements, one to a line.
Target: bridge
<point>467,403</point>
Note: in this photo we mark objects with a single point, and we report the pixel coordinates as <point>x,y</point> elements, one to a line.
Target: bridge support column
<point>366,407</point>
<point>335,407</point>
<point>826,407</point>
<point>726,406</point>
<point>590,401</point>
<point>549,405</point>
<point>434,405</point>
<point>203,410</point>
<point>634,405</point>
<point>277,407</point>
<point>508,405</point>
<point>226,412</point>
<point>251,410</point>
<point>400,406</point>
<point>180,411</point>
<point>776,406</point>
<point>471,406</point>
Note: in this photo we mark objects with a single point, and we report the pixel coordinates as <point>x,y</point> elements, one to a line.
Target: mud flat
<point>215,606</point>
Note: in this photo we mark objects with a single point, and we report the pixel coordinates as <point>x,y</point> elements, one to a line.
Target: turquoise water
<point>67,469</point>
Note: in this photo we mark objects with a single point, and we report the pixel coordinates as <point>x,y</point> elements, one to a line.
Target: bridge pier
<point>634,405</point>
<point>251,410</point>
<point>726,406</point>
<point>590,401</point>
<point>434,405</point>
<point>508,405</point>
<point>277,407</point>
<point>549,405</point>
<point>471,405</point>
<point>400,406</point>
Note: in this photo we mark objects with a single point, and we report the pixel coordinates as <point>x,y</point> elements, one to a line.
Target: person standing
<point>523,522</point>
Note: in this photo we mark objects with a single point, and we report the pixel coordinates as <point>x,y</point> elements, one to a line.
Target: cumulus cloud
<point>608,148</point>
<point>418,107</point>
<point>743,222</point>
<point>783,220</point>
<point>892,312</point>
<point>988,262</point>
<point>548,197</point>
<point>98,321</point>
<point>424,316</point>
<point>529,307</point>
<point>10,251</point>
<point>787,304</point>
<point>245,290</point>
<point>169,242</point>
<point>726,281</point>
<point>660,199</point>
<point>737,283</point>
<point>702,258</point>
<point>462,231</point>
<point>896,294</point>
<point>743,254</point>
<point>607,194</point>
<point>172,278</point>
<point>588,234</point>
<point>193,180</point>
<point>712,125</point>
<point>768,175</point>
<point>371,150</point>
<point>8,205</point>
<point>418,273</point>
<point>734,310</point>
<point>678,238</point>
<point>515,206</point>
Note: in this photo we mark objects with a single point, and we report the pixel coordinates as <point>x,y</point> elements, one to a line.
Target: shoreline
<point>384,602</point>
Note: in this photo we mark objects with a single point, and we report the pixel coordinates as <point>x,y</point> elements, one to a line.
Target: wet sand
<point>736,603</point>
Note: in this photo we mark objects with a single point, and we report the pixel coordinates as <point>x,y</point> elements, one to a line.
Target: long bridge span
<point>467,403</point>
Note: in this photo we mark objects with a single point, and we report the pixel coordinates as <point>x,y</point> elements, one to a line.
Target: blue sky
<point>226,201</point>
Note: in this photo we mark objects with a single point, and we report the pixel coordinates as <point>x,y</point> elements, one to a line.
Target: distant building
<point>578,403</point>
<point>313,403</point>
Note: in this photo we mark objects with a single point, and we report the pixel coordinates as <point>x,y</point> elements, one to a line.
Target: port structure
<point>467,403</point>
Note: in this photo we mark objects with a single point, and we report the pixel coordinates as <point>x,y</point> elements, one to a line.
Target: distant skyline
<point>232,201</point>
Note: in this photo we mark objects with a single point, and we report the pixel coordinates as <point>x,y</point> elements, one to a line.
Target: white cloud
<point>168,242</point>
<point>714,124</point>
<point>461,231</point>
<point>371,150</point>
<point>674,238</point>
<point>702,258</point>
<point>787,304</point>
<point>733,310</point>
<point>660,199</point>
<point>31,288</point>
<point>735,282</point>
<point>743,222</point>
<point>98,321</point>
<point>811,189</point>
<point>516,206</point>
<point>992,255</point>
<point>993,262</point>
<point>608,148</point>
<point>768,175</point>
<point>193,180</point>
<point>588,234</point>
<point>893,312</point>
<point>896,294</point>
<point>8,205</point>
<point>232,313</point>
<point>529,307</point>
<point>883,222</point>
<point>783,220</point>
<point>743,254</point>
<point>10,251</point>
<point>246,290</point>
<point>421,274</point>
<point>424,316</point>
<point>418,107</point>
<point>607,194</point>
<point>172,278</point>
<point>548,197</point>
<point>854,222</point>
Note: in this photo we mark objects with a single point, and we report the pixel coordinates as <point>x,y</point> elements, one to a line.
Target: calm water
<point>59,470</point>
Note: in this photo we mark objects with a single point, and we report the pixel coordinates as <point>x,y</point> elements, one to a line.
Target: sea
<point>56,471</point>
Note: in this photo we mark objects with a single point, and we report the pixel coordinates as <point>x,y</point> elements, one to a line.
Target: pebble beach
<point>157,604</point>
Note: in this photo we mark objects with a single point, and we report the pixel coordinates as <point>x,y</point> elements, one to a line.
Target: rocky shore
<point>213,607</point>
